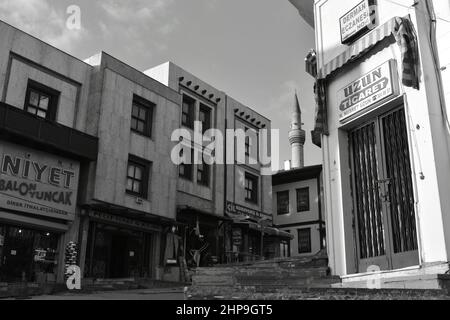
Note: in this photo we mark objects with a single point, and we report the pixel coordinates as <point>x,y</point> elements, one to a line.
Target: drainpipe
<point>225,181</point>
<point>434,48</point>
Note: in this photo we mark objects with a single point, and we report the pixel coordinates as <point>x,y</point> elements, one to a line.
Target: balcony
<point>24,128</point>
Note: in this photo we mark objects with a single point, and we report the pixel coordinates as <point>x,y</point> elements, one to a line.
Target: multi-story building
<point>89,156</point>
<point>226,206</point>
<point>45,154</point>
<point>129,202</point>
<point>200,189</point>
<point>249,188</point>
<point>85,159</point>
<point>383,127</point>
<point>297,197</point>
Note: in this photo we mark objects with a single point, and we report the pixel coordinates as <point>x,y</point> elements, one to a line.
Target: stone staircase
<point>263,276</point>
<point>290,279</point>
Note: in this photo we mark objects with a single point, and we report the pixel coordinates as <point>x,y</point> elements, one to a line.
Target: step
<point>288,283</point>
<point>407,281</point>
<point>292,293</point>
<point>293,271</point>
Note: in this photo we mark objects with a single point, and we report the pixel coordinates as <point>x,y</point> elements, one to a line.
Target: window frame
<point>299,209</point>
<point>145,166</point>
<point>309,249</point>
<point>205,181</point>
<point>149,107</point>
<point>254,192</point>
<point>280,213</point>
<point>208,111</point>
<point>191,113</point>
<point>41,89</point>
<point>247,143</point>
<point>184,176</point>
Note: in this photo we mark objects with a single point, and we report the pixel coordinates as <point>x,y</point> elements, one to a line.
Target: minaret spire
<point>297,136</point>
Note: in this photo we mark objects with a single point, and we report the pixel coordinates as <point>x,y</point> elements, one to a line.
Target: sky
<point>253,50</point>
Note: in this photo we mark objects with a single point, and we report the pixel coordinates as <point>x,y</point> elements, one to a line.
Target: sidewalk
<point>143,294</point>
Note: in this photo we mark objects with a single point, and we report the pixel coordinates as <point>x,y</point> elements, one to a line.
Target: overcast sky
<point>251,49</point>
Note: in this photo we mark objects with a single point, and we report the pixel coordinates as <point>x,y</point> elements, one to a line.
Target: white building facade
<point>297,203</point>
<point>383,127</point>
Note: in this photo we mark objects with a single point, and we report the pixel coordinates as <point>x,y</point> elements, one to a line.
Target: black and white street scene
<point>245,150</point>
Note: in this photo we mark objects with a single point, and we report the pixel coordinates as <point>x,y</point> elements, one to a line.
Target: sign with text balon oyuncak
<point>368,91</point>
<point>37,183</point>
<point>356,21</point>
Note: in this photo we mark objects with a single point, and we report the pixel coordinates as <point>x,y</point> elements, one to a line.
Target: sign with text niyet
<point>368,91</point>
<point>38,183</point>
<point>357,21</point>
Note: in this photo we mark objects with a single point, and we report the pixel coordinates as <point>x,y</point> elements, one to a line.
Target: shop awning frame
<point>402,29</point>
<point>194,211</point>
<point>270,231</point>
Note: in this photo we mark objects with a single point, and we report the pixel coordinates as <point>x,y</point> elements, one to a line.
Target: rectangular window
<point>137,177</point>
<point>303,200</point>
<point>247,143</point>
<point>186,169</point>
<point>41,100</point>
<point>142,116</point>
<point>203,174</point>
<point>188,109</point>
<point>205,118</point>
<point>283,202</point>
<point>304,241</point>
<point>251,188</point>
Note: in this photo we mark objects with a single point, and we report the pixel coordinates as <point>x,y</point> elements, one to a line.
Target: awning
<point>250,224</point>
<point>278,233</point>
<point>187,210</point>
<point>404,33</point>
<point>271,231</point>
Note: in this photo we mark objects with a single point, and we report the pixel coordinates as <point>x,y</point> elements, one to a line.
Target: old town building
<point>88,160</point>
<point>45,155</point>
<point>227,213</point>
<point>129,202</point>
<point>383,127</point>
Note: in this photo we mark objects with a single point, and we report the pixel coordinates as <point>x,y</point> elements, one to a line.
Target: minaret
<point>297,137</point>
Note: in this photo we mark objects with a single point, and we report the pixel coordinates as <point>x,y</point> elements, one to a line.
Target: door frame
<point>401,259</point>
<point>383,261</point>
<point>393,260</point>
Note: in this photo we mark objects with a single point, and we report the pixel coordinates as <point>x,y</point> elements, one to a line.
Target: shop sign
<point>38,183</point>
<point>368,91</point>
<point>237,237</point>
<point>123,221</point>
<point>233,208</point>
<point>40,255</point>
<point>357,21</point>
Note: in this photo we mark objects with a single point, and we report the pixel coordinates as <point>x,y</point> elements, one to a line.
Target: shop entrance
<point>383,194</point>
<point>116,252</point>
<point>27,254</point>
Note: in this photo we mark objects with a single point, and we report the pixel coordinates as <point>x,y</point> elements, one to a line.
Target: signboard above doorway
<point>38,183</point>
<point>369,91</point>
<point>358,21</point>
<point>235,209</point>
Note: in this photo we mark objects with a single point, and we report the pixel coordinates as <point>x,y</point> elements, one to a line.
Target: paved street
<point>144,294</point>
